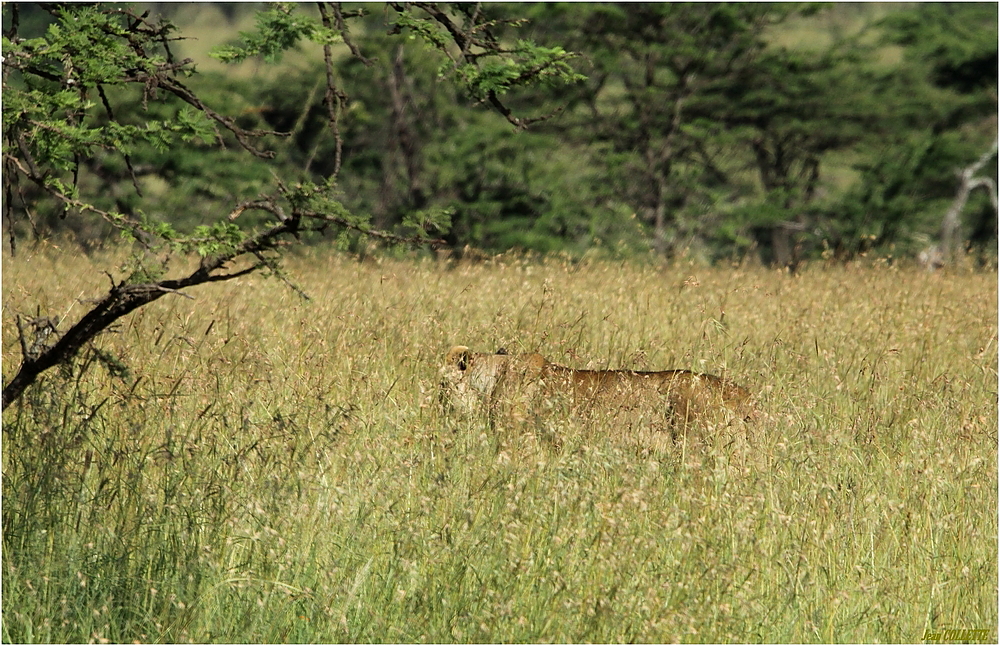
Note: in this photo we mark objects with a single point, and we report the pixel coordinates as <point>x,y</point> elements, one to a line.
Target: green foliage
<point>957,41</point>
<point>428,221</point>
<point>429,30</point>
<point>526,61</point>
<point>909,177</point>
<point>279,28</point>
<point>141,270</point>
<point>656,69</point>
<point>693,130</point>
<point>85,119</point>
<point>903,193</point>
<point>56,80</point>
<point>218,238</point>
<point>483,66</point>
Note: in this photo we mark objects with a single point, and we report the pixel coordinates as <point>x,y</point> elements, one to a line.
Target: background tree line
<point>717,130</point>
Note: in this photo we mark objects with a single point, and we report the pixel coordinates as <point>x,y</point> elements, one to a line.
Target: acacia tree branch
<point>477,34</point>
<point>123,299</point>
<point>335,98</point>
<point>119,221</point>
<point>161,78</point>
<point>126,156</point>
<point>342,27</point>
<point>457,34</point>
<point>373,233</point>
<point>179,90</point>
<point>472,27</point>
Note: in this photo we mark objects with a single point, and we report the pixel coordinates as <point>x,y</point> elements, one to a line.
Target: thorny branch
<point>122,299</point>
<point>342,28</point>
<point>478,35</point>
<point>118,220</point>
<point>335,98</point>
<point>153,76</point>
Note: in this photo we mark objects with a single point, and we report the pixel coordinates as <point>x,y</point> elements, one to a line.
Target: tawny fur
<point>522,383</point>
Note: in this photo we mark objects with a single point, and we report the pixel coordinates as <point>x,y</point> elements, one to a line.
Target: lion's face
<point>472,380</point>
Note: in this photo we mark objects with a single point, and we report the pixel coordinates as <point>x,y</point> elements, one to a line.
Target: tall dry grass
<point>270,469</point>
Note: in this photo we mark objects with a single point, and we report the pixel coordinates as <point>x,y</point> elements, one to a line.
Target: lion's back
<point>688,395</point>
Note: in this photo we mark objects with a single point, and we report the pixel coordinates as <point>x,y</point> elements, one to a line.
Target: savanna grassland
<point>251,467</point>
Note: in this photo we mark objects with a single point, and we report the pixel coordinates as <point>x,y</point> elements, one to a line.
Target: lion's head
<point>478,380</point>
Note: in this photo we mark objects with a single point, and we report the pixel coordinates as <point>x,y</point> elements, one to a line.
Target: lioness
<point>528,381</point>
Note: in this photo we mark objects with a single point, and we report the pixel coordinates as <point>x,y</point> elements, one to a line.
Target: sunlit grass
<point>272,469</point>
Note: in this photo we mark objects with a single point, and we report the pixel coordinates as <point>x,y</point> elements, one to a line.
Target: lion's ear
<point>501,350</point>
<point>463,361</point>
